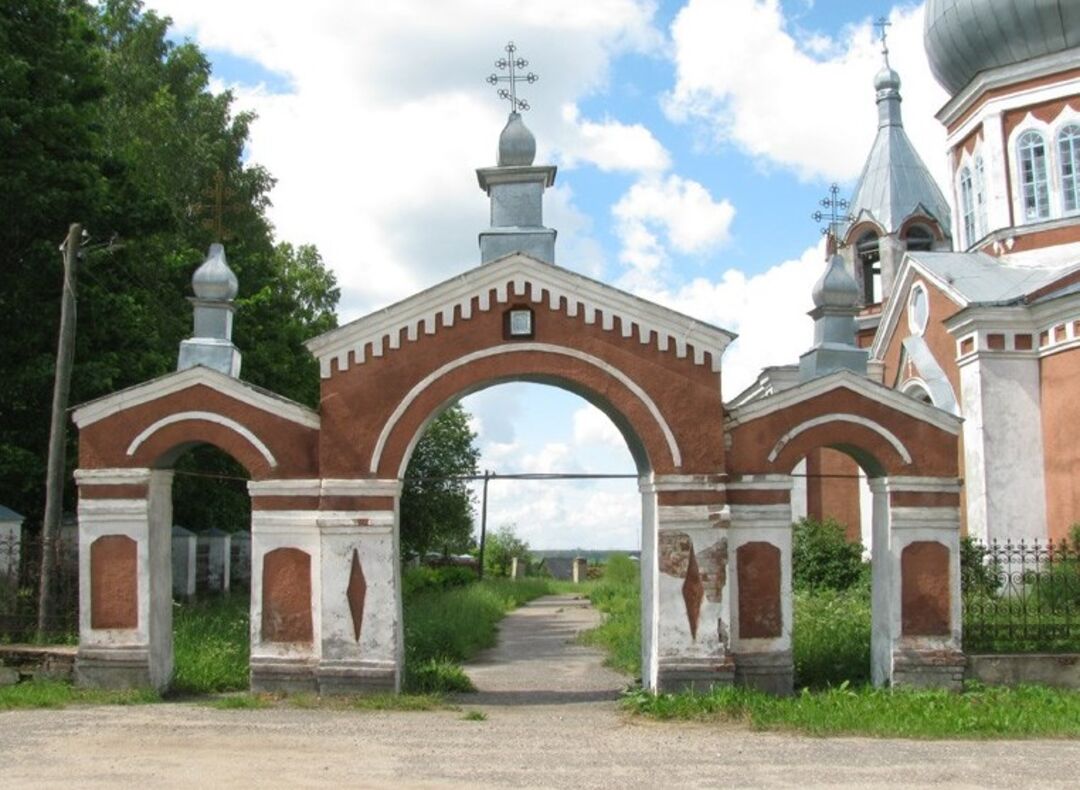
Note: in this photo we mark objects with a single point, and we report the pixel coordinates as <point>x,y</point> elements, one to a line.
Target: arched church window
<point>967,205</point>
<point>1031,148</point>
<point>980,197</point>
<point>1069,156</point>
<point>869,255</point>
<point>918,238</point>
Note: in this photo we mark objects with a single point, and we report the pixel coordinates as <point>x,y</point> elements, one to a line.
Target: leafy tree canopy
<point>105,121</point>
<point>437,512</point>
<point>501,547</point>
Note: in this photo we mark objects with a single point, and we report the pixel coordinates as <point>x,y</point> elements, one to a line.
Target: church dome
<point>214,280</point>
<point>964,37</point>
<point>517,146</point>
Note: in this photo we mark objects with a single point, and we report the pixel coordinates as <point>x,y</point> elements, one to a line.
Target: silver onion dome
<point>214,280</point>
<point>517,146</point>
<point>964,37</point>
<point>835,287</point>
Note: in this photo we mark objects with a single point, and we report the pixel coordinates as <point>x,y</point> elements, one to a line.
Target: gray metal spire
<point>895,183</point>
<point>211,344</point>
<point>515,185</point>
<point>836,302</point>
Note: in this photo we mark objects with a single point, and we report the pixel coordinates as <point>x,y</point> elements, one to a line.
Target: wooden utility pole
<point>54,482</point>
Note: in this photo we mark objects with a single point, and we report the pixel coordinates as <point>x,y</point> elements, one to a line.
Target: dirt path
<point>538,660</point>
<point>560,729</point>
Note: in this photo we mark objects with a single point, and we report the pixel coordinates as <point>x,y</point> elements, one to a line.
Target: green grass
<point>60,694</point>
<point>211,644</point>
<point>475,715</point>
<point>617,594</point>
<point>979,712</point>
<point>444,628</point>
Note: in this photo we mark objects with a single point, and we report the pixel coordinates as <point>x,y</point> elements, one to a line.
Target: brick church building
<point>971,302</point>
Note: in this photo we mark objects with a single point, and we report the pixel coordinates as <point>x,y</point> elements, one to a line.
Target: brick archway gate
<point>716,531</point>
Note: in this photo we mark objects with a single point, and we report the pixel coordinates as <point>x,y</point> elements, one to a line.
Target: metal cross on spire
<point>837,208</point>
<point>512,64</point>
<point>219,205</point>
<point>882,23</point>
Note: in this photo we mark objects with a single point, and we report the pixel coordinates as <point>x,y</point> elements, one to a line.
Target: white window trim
<point>917,286</point>
<point>980,213</point>
<point>1050,132</point>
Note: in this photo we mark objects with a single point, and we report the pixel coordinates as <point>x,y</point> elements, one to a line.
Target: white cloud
<point>767,311</point>
<point>386,115</point>
<point>592,426</point>
<point>679,208</point>
<point>801,101</point>
<point>610,145</point>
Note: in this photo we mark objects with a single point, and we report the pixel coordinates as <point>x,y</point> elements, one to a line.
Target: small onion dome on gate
<point>517,146</point>
<point>835,288</point>
<point>964,37</point>
<point>214,281</point>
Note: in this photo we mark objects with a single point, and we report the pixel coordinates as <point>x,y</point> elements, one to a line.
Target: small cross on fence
<point>837,214</point>
<point>511,64</point>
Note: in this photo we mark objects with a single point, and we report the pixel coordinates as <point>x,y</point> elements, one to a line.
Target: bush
<point>823,558</point>
<point>831,639</point>
<point>500,548</point>
<point>976,574</point>
<point>415,581</point>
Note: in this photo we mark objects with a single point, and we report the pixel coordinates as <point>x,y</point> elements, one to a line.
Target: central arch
<point>653,372</point>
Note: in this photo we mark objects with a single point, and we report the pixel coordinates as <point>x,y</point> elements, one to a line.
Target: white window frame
<point>1055,183</point>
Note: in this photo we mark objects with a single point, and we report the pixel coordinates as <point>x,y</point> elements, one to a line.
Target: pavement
<point>549,719</point>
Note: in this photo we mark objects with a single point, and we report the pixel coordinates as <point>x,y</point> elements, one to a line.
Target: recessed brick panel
<point>286,596</point>
<point>114,576</point>
<point>995,341</point>
<point>760,615</point>
<point>924,572</point>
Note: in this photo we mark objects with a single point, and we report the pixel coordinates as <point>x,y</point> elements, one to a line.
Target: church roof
<point>509,277</point>
<point>976,278</point>
<point>964,37</point>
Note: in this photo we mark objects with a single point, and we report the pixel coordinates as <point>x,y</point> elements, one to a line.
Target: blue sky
<point>693,141</point>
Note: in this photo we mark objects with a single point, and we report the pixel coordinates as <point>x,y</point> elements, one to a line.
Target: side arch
<point>193,432</point>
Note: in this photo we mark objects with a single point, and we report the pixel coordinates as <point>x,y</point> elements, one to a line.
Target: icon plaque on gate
<point>520,322</point>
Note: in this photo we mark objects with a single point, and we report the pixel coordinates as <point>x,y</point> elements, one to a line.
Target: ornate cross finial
<point>511,64</point>
<point>214,211</point>
<point>882,24</point>
<point>837,207</point>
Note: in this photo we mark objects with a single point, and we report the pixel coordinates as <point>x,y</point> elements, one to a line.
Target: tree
<point>104,120</point>
<point>502,546</point>
<point>436,512</point>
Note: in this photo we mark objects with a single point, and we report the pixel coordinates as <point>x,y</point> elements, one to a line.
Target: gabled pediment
<point>172,383</point>
<point>508,279</point>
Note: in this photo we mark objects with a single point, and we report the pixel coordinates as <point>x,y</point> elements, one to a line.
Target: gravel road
<point>551,722</point>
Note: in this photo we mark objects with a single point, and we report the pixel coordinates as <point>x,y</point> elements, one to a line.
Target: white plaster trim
<point>112,477</point>
<point>686,483</point>
<point>1005,76</point>
<point>677,514</point>
<point>109,508</point>
<point>331,487</point>
<point>824,419</point>
<point>205,416</point>
<point>99,409</point>
<point>347,343</point>
<point>327,487</point>
<point>950,485</point>
<point>947,518</point>
<point>512,348</point>
<point>762,483</point>
<point>845,379</point>
<point>295,487</point>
